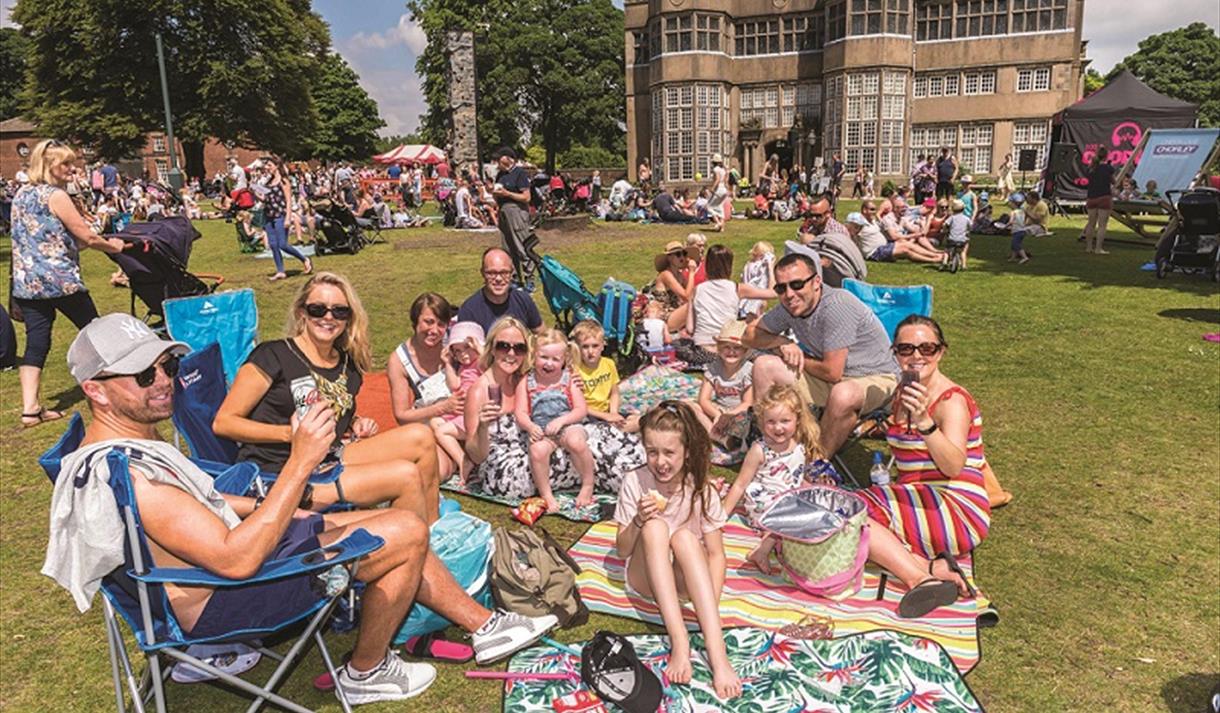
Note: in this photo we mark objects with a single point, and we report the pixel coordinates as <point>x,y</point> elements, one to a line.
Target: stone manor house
<point>877,81</point>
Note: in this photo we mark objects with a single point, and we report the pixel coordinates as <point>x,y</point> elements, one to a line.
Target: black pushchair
<point>155,262</point>
<point>1191,241</point>
<point>341,231</point>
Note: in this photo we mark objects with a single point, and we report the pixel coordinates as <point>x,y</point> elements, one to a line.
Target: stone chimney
<point>463,115</point>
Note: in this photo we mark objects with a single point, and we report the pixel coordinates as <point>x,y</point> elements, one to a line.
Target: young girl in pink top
<point>460,360</point>
<point>669,530</point>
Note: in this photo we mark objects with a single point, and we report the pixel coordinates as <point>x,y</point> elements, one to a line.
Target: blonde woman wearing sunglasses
<point>324,357</point>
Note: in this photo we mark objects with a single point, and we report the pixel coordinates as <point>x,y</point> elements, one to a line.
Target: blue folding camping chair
<point>891,304</point>
<point>135,592</point>
<point>229,319</point>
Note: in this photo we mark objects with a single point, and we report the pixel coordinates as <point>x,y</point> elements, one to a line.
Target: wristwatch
<point>929,430</point>
<point>306,497</point>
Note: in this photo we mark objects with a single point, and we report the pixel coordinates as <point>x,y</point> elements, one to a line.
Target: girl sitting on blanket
<point>599,376</point>
<point>669,531</point>
<point>460,360</point>
<point>723,405</point>
<point>775,464</point>
<point>549,407</point>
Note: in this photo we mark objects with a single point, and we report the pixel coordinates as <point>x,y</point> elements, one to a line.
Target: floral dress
<point>46,259</point>
<point>779,473</point>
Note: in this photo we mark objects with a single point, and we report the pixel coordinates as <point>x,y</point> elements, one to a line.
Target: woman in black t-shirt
<point>322,360</point>
<point>1099,201</point>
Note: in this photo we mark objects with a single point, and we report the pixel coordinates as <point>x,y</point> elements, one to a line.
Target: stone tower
<point>463,119</point>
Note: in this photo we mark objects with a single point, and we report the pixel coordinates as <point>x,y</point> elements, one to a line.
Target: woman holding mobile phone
<point>937,508</point>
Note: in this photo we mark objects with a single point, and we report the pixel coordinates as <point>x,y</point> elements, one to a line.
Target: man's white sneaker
<point>393,680</point>
<point>506,633</point>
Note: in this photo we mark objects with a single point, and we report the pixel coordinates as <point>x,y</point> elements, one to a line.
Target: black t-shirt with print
<point>293,387</point>
<point>515,180</point>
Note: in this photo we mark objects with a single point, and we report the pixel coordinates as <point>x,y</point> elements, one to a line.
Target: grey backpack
<point>531,574</point>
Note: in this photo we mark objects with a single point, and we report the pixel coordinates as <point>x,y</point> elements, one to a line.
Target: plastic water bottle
<point>879,474</point>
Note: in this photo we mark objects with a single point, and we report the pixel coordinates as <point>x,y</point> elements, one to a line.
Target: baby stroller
<point>1191,239</point>
<point>155,262</point>
<point>571,302</point>
<point>341,231</point>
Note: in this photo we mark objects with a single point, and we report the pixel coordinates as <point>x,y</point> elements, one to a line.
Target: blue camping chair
<point>135,592</point>
<point>891,304</point>
<point>229,319</point>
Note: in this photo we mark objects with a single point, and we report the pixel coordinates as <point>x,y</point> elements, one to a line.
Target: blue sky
<point>381,43</point>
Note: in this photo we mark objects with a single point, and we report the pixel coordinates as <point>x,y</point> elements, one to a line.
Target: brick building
<point>18,137</point>
<point>878,81</point>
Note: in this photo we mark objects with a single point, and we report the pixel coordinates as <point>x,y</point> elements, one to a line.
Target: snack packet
<point>529,510</point>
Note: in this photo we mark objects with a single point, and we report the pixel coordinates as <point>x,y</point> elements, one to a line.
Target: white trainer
<point>506,633</point>
<point>393,680</point>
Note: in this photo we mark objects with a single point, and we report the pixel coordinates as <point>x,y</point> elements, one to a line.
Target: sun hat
<point>967,178</point>
<point>462,331</point>
<point>117,344</point>
<point>929,202</point>
<point>717,158</point>
<point>1016,198</point>
<point>857,218</point>
<point>732,332</point>
<point>674,246</point>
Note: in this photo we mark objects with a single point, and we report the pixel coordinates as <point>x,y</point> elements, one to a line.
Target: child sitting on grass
<point>460,360</point>
<point>251,234</point>
<point>599,376</point>
<point>550,405</point>
<point>727,392</point>
<point>775,464</point>
<point>670,533</point>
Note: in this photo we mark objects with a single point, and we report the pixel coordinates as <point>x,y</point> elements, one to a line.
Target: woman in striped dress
<point>937,508</point>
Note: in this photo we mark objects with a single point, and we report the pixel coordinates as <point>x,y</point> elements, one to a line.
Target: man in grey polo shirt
<point>841,352</point>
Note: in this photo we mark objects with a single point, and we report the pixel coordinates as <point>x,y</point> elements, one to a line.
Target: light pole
<point>175,176</point>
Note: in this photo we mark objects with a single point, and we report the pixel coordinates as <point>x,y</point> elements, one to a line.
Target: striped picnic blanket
<point>752,598</point>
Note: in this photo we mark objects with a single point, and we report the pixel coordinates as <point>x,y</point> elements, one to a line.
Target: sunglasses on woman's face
<point>318,311</point>
<point>145,379</point>
<point>926,349</point>
<point>518,348</point>
<point>794,285</point>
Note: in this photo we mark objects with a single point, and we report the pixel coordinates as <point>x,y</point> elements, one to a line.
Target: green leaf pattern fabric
<point>878,671</point>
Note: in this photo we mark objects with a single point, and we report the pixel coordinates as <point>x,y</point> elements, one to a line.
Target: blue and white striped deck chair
<point>891,304</point>
<point>135,593</point>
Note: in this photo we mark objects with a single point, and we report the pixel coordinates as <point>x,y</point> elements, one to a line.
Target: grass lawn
<point>1100,400</point>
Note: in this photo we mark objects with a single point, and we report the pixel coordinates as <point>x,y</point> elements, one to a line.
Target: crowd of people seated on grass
<point>493,396</point>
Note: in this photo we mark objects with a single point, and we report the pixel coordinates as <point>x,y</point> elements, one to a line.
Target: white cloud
<point>407,32</point>
<point>1114,28</point>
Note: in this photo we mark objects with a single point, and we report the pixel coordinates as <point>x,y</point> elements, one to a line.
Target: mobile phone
<point>494,394</point>
<point>909,376</point>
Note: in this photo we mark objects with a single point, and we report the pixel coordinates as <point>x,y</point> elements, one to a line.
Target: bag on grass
<point>463,543</point>
<point>823,538</point>
<point>532,575</point>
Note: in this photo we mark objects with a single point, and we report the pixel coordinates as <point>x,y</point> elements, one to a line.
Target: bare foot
<point>585,496</point>
<point>761,557</point>
<point>678,670</point>
<point>725,682</point>
<point>276,276</point>
<point>552,505</point>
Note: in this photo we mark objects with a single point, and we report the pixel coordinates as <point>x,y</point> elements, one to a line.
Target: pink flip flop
<point>1213,337</point>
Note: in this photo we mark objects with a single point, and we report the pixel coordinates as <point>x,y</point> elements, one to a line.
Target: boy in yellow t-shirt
<point>599,376</point>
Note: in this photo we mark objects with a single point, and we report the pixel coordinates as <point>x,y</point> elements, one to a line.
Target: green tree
<point>1182,63</point>
<point>1093,81</point>
<point>559,81</point>
<point>347,116</point>
<point>13,50</point>
<point>240,72</point>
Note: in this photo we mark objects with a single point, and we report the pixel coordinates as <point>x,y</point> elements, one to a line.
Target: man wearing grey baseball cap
<point>126,372</point>
<point>841,358</point>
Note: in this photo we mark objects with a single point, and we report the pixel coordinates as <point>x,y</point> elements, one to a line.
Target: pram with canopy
<point>341,231</point>
<point>155,262</point>
<point>1191,241</point>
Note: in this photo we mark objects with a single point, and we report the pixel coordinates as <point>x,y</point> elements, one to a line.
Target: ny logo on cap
<point>135,329</point>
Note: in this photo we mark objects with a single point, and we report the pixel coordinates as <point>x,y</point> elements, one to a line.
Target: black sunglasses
<point>794,285</point>
<point>926,349</point>
<point>518,348</point>
<point>145,379</point>
<point>318,311</point>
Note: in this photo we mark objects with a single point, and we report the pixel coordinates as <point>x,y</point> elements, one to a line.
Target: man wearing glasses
<point>497,298</point>
<point>127,375</point>
<point>840,256</point>
<point>841,358</point>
